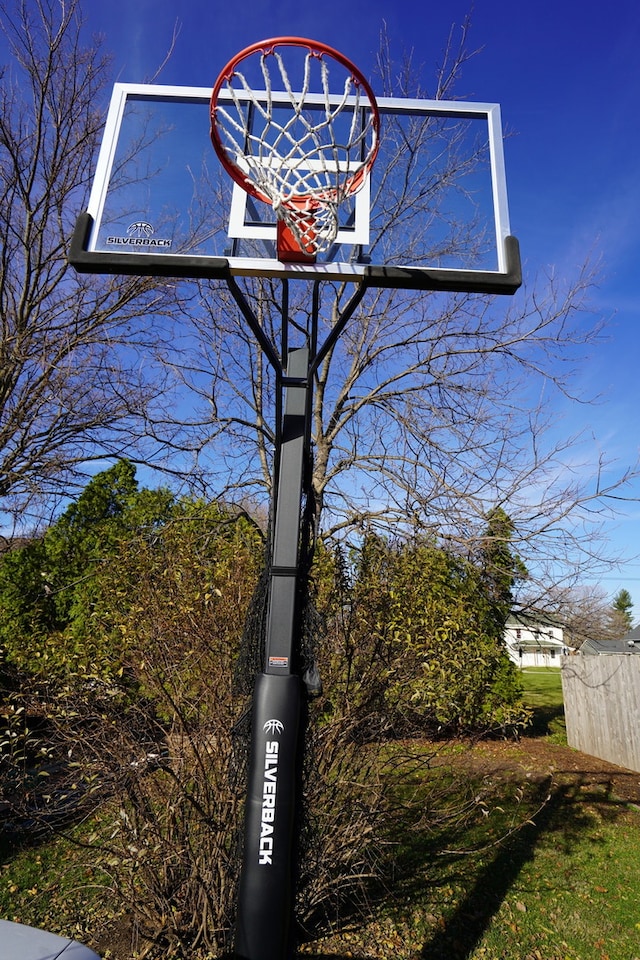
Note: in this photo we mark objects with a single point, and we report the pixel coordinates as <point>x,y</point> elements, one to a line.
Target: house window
<point>518,632</point>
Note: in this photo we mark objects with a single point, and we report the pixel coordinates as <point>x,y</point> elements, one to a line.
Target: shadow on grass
<point>546,720</point>
<point>464,928</point>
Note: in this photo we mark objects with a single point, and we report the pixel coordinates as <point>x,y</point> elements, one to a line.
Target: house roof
<point>530,619</point>
<point>597,647</point>
<point>537,643</point>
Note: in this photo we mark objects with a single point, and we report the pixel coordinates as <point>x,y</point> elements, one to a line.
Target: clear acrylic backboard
<point>162,205</point>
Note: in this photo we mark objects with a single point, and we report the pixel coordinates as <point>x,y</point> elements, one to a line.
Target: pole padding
<point>265,898</point>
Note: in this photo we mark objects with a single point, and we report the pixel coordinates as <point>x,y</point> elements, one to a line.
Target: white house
<point>534,640</point>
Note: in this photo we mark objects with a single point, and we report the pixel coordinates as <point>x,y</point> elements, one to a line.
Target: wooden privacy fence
<point>602,706</point>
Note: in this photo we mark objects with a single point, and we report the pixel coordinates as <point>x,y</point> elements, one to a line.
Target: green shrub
<point>416,645</point>
<point>57,615</point>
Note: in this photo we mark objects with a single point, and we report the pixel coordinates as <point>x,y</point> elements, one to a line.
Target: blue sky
<point>568,81</point>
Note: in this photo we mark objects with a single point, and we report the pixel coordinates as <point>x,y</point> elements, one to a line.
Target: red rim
<point>267,47</point>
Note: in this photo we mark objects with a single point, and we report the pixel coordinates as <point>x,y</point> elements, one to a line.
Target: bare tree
<point>587,614</point>
<point>431,408</point>
<point>66,395</point>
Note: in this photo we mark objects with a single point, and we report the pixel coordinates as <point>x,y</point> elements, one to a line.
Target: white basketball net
<point>305,160</point>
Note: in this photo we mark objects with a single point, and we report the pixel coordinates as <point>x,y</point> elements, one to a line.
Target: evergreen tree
<point>500,567</point>
<point>52,598</point>
<point>622,604</point>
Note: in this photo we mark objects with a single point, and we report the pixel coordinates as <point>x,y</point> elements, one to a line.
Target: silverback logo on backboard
<point>139,234</point>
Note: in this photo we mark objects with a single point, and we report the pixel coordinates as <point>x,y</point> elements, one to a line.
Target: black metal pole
<point>264,928</point>
<point>265,897</point>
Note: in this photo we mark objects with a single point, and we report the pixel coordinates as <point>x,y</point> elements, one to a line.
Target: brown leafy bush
<point>156,738</point>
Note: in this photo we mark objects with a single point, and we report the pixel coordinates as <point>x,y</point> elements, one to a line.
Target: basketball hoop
<point>301,152</point>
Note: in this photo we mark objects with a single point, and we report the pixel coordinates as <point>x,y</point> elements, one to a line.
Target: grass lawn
<point>544,866</point>
<point>565,886</point>
<point>55,885</point>
<point>543,693</point>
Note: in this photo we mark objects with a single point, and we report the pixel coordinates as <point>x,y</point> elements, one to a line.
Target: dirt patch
<point>537,758</point>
